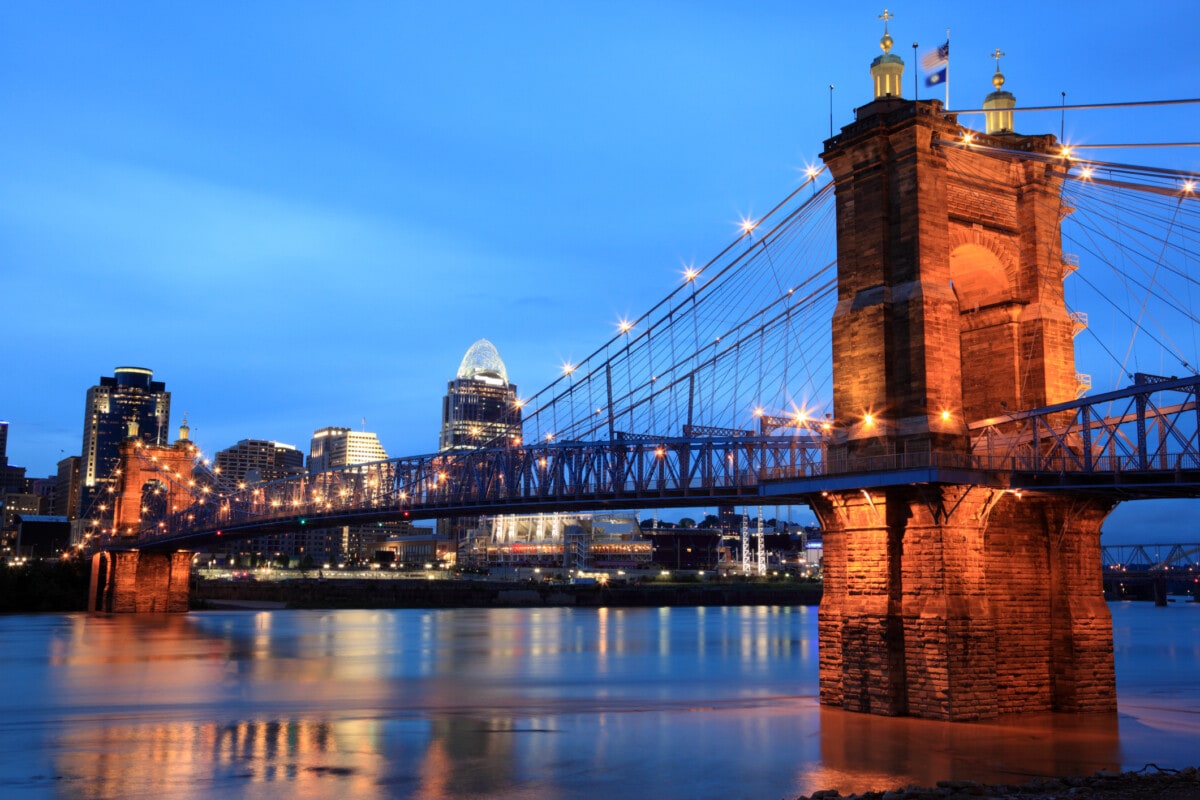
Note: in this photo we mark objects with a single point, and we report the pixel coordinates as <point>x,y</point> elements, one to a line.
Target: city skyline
<point>303,221</point>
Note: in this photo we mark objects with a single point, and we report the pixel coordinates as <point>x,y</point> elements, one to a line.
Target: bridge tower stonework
<point>945,599</point>
<point>132,579</point>
<point>140,581</point>
<point>142,465</point>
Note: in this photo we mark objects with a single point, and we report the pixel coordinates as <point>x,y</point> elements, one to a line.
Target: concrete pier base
<point>136,581</point>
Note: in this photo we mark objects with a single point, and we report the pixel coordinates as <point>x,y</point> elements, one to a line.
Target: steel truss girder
<point>489,480</point>
<point>1145,427</point>
<point>1150,557</point>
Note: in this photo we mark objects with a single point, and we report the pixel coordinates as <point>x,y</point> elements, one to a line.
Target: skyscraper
<point>480,408</point>
<point>130,397</point>
<point>12,479</point>
<point>259,460</point>
<point>342,447</point>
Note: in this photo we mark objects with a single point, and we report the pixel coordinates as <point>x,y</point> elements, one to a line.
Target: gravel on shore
<point>1150,782</point>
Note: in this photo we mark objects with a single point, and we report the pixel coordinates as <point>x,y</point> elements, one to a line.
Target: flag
<point>936,62</point>
<point>938,57</point>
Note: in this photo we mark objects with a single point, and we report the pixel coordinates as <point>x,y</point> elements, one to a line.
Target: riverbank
<point>421,593</point>
<point>1149,783</point>
<point>41,586</point>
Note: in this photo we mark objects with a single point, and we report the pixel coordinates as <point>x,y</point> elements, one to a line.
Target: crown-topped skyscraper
<point>480,408</point>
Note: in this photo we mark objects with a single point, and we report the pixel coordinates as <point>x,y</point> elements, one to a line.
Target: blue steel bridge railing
<point>1140,441</point>
<point>493,480</point>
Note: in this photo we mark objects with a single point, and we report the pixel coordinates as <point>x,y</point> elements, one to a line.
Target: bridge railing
<point>1146,434</point>
<point>1151,425</point>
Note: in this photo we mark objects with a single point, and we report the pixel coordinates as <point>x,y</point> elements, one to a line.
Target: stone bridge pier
<point>963,602</point>
<point>139,581</point>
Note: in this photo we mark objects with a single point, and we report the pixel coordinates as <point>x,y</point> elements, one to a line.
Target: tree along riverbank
<point>421,593</point>
<point>59,585</point>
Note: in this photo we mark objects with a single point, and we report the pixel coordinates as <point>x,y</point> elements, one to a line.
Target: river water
<point>521,703</point>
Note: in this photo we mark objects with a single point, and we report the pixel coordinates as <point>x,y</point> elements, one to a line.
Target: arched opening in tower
<point>989,332</point>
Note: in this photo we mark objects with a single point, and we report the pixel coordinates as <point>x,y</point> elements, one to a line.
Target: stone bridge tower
<point>142,466</point>
<point>943,598</point>
<point>134,580</point>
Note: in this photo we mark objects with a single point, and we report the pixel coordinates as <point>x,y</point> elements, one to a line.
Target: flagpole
<point>947,69</point>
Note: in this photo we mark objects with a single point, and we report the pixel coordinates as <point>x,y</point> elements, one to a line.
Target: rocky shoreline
<point>1149,782</point>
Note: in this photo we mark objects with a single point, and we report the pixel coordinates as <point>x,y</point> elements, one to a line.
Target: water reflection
<point>861,752</point>
<point>530,703</point>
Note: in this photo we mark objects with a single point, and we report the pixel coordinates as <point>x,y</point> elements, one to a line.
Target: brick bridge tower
<point>945,599</point>
<point>132,579</point>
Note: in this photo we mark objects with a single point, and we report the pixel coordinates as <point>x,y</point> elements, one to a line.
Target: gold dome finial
<point>886,42</point>
<point>184,430</point>
<point>887,69</point>
<point>998,106</point>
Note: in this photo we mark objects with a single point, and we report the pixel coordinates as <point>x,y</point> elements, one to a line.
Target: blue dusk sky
<point>302,214</point>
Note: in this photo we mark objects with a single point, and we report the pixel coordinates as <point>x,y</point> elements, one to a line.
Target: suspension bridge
<point>721,393</point>
<point>900,344</point>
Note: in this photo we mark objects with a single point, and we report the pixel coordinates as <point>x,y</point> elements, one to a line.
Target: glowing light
<point>945,416</point>
<point>690,274</point>
<point>758,412</point>
<point>1086,173</point>
<point>624,326</point>
<point>660,451</point>
<point>1065,152</point>
<point>1188,186</point>
<point>747,225</point>
<point>968,137</point>
<point>869,420</point>
<point>568,368</point>
<point>812,172</point>
<point>549,437</point>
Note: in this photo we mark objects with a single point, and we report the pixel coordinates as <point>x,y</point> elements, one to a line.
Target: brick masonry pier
<point>128,581</point>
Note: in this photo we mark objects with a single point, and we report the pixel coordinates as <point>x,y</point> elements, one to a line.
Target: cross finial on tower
<point>886,42</point>
<point>998,77</point>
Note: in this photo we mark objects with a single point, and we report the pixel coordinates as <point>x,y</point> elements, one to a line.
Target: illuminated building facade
<point>480,408</point>
<point>258,461</point>
<point>330,448</point>
<point>579,541</point>
<point>66,488</point>
<point>131,395</point>
<point>342,447</point>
